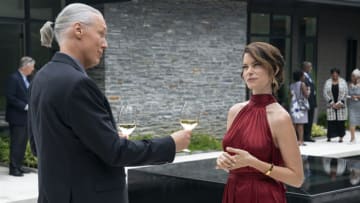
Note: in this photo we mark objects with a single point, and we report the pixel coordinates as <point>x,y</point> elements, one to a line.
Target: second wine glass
<point>189,118</point>
<point>126,120</point>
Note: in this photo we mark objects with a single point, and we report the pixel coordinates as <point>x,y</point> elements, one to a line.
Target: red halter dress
<point>250,131</point>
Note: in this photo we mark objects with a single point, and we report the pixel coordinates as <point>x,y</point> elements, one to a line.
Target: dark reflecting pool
<point>327,180</point>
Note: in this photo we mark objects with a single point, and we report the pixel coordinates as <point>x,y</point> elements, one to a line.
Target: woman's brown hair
<point>269,57</point>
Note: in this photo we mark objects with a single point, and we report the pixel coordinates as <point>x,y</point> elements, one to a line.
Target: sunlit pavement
<point>333,149</point>
<point>17,189</point>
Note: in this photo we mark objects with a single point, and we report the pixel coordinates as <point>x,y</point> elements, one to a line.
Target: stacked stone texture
<point>163,53</point>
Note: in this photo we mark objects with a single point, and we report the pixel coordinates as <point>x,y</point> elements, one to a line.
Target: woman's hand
<point>242,158</point>
<point>339,105</point>
<point>335,106</point>
<point>225,161</point>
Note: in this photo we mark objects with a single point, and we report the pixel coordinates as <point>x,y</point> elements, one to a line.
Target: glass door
<point>11,50</point>
<point>276,30</point>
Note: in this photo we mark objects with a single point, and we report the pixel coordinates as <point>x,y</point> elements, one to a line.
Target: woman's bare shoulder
<point>280,122</point>
<point>236,108</point>
<point>277,114</point>
<point>233,111</point>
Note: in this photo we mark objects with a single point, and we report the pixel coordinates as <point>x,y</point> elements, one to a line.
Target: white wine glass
<point>189,117</point>
<point>126,121</point>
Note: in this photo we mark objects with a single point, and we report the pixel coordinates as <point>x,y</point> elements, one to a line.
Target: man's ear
<point>78,30</point>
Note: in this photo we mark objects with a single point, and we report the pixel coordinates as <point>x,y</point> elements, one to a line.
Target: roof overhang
<point>353,3</point>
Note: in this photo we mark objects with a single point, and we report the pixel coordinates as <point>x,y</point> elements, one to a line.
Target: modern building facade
<point>165,52</point>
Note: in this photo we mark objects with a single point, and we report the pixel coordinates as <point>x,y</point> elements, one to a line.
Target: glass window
<point>44,9</point>
<point>310,26</point>
<point>12,8</point>
<point>259,39</point>
<point>309,51</point>
<point>281,25</point>
<point>308,40</point>
<point>11,50</point>
<point>278,33</point>
<point>284,45</point>
<point>260,23</point>
<point>41,54</point>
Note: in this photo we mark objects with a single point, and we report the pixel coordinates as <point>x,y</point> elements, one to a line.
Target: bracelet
<point>268,172</point>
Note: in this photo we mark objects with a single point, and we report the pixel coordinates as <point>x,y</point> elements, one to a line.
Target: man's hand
<point>123,135</point>
<point>181,139</point>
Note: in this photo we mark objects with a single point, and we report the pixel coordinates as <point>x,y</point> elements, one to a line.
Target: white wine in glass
<point>126,120</point>
<point>126,128</point>
<point>189,124</point>
<point>189,118</point>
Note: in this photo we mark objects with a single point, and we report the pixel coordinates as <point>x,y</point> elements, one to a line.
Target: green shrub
<point>204,142</point>
<point>318,131</point>
<point>347,124</point>
<point>29,159</point>
<point>199,141</point>
<point>322,119</point>
<point>4,149</point>
<point>141,137</point>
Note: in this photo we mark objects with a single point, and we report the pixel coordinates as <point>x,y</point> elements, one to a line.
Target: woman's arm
<point>327,93</point>
<point>292,171</point>
<point>304,90</point>
<point>282,128</point>
<point>285,136</point>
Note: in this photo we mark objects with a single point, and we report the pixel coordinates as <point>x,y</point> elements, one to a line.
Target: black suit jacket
<point>312,96</point>
<point>80,155</point>
<point>16,100</point>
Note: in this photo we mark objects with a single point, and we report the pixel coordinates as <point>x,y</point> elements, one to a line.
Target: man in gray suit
<point>81,158</point>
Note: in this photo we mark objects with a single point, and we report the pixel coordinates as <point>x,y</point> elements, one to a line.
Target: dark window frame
<point>303,39</point>
<point>271,36</point>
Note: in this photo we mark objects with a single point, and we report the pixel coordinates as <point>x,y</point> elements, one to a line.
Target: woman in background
<point>260,147</point>
<point>354,103</point>
<point>299,115</point>
<point>335,91</point>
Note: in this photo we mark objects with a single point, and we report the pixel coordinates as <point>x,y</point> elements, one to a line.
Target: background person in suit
<point>81,158</point>
<point>16,113</point>
<point>307,67</point>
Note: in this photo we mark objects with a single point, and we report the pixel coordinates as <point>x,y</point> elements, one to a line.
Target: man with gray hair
<point>307,68</point>
<point>81,157</point>
<point>16,113</point>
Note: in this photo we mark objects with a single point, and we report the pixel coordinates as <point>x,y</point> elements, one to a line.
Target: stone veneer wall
<point>164,52</point>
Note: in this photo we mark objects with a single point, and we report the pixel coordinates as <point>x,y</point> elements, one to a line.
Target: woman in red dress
<point>260,145</point>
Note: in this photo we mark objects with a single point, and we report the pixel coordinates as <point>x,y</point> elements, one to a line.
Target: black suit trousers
<point>18,141</point>
<point>308,126</point>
